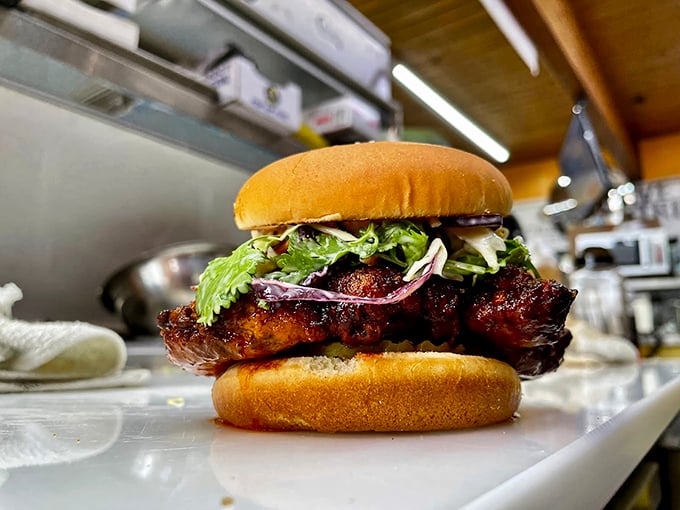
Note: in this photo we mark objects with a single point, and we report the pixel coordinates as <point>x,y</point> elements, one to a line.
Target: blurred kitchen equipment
<point>592,188</point>
<point>654,305</point>
<point>584,177</point>
<point>639,248</point>
<point>600,300</point>
<point>157,280</point>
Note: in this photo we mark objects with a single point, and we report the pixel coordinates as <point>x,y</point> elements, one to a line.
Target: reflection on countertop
<point>159,446</point>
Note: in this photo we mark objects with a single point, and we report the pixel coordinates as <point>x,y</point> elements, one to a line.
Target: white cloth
<point>42,356</point>
<point>590,345</point>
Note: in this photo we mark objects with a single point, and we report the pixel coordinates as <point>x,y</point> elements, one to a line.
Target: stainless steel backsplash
<point>80,197</point>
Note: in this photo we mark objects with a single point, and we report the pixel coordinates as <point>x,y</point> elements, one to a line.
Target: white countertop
<point>579,433</point>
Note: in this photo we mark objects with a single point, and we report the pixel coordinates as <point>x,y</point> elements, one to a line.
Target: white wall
<point>79,197</point>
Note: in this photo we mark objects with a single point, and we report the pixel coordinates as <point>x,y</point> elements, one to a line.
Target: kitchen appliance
<point>585,177</point>
<point>638,248</point>
<point>654,307</point>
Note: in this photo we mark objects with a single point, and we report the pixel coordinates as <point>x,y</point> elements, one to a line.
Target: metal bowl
<point>157,281</point>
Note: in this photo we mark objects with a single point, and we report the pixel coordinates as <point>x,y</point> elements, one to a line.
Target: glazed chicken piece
<point>429,314</point>
<point>510,316</point>
<point>523,318</point>
<point>244,331</point>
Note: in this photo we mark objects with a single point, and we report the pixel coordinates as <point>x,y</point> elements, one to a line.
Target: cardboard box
<point>345,119</point>
<point>243,90</point>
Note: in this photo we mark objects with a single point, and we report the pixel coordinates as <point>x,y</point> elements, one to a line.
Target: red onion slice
<point>473,220</point>
<point>274,290</point>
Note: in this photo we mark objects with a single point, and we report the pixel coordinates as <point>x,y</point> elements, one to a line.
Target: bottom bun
<point>405,391</point>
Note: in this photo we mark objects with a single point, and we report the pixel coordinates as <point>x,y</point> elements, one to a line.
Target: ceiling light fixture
<point>514,33</point>
<point>449,113</point>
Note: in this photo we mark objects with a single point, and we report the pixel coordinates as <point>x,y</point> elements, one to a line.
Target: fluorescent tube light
<point>446,111</point>
<point>514,33</point>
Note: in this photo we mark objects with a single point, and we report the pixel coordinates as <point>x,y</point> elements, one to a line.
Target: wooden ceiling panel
<point>456,47</point>
<point>637,45</point>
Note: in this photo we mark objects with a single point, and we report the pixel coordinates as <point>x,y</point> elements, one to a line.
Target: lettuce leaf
<point>226,278</point>
<point>308,254</point>
<point>402,243</point>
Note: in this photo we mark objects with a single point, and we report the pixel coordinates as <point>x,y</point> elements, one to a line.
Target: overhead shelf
<point>155,89</point>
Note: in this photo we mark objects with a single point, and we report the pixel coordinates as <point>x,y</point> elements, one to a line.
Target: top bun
<point>374,180</point>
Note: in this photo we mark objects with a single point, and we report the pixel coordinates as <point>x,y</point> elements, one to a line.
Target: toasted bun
<point>376,180</point>
<point>406,391</point>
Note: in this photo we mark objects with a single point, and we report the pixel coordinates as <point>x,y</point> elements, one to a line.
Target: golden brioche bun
<point>405,391</point>
<point>375,180</point>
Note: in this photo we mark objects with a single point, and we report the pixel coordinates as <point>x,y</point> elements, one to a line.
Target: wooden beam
<point>565,52</point>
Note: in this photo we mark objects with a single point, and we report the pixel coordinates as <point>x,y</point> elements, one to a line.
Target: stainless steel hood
<point>155,89</point>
